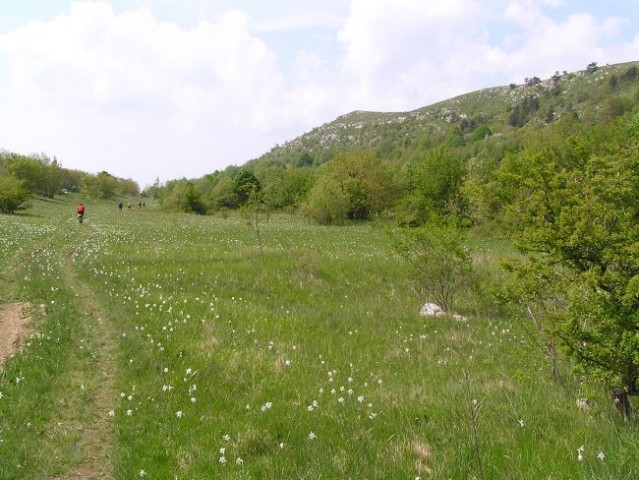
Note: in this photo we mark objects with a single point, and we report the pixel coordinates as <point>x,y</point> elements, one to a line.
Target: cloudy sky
<point>167,89</point>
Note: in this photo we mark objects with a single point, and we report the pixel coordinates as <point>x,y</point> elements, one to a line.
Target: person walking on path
<point>80,210</point>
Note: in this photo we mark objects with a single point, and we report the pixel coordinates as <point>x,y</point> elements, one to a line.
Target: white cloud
<point>399,51</point>
<point>405,54</point>
<point>96,59</point>
<point>129,76</point>
<point>300,21</point>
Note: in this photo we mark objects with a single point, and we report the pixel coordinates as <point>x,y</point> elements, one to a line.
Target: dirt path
<point>96,430</point>
<point>88,415</point>
<point>15,321</point>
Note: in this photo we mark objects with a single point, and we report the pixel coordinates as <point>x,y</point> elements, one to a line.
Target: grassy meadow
<point>174,346</point>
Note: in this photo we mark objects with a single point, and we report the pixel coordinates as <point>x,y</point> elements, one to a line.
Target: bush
<point>441,262</point>
<point>12,194</point>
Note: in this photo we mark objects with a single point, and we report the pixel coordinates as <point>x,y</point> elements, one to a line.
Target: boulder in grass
<point>431,310</point>
<point>434,310</point>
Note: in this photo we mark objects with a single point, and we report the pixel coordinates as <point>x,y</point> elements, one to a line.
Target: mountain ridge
<point>580,93</point>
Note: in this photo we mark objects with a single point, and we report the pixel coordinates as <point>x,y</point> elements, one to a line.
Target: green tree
<point>480,133</point>
<point>127,186</point>
<point>327,204</point>
<point>574,210</point>
<point>103,185</point>
<point>304,160</point>
<point>41,174</point>
<point>613,82</point>
<point>32,171</point>
<point>13,193</point>
<point>72,179</point>
<point>434,187</point>
<point>455,137</point>
<point>245,184</point>
<point>354,186</point>
<point>592,67</point>
<point>630,74</point>
<point>441,263</point>
<point>523,111</point>
<point>193,200</point>
<point>174,196</point>
<point>155,190</point>
<point>53,182</point>
<point>287,190</point>
<point>223,194</point>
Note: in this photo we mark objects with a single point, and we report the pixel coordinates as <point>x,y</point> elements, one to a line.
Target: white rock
<point>434,310</point>
<point>430,310</point>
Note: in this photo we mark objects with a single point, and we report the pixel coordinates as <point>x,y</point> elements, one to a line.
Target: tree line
<point>23,176</point>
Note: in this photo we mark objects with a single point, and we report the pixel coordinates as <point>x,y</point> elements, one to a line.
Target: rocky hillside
<point>588,94</point>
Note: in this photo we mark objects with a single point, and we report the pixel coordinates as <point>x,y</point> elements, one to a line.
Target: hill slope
<point>589,94</point>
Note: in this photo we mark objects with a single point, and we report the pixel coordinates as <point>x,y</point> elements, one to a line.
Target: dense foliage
<point>25,175</point>
<point>572,202</point>
<point>13,193</point>
<point>432,161</point>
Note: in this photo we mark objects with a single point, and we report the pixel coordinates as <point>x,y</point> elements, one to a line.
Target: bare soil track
<point>15,320</point>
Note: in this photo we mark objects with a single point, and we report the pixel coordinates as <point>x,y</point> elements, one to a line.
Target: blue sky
<point>181,88</point>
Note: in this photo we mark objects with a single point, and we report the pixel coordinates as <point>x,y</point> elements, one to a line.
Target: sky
<point>169,89</point>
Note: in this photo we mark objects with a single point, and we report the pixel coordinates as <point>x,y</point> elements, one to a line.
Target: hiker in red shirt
<point>80,210</point>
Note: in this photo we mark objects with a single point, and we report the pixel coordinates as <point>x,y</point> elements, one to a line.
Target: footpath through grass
<point>53,393</point>
<point>177,346</point>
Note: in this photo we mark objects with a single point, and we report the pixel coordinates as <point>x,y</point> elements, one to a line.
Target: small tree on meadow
<point>441,263</point>
<point>13,193</point>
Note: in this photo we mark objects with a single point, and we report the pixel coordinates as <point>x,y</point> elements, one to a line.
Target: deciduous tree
<point>12,194</point>
<point>575,210</point>
<point>354,186</point>
<point>441,263</point>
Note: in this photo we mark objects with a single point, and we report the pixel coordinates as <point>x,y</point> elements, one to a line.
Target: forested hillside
<point>436,159</point>
<point>408,165</point>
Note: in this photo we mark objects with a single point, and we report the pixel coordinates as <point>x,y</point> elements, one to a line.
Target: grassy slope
<point>586,94</point>
<point>176,346</point>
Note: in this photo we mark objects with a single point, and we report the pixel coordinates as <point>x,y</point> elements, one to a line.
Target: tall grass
<point>296,355</point>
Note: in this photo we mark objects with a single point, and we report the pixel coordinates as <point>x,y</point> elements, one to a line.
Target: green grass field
<point>174,346</point>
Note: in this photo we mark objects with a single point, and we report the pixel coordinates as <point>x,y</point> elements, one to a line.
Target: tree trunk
<point>620,401</point>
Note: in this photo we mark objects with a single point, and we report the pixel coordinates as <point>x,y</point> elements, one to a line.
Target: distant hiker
<point>120,205</point>
<point>80,210</point>
<point>129,206</point>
